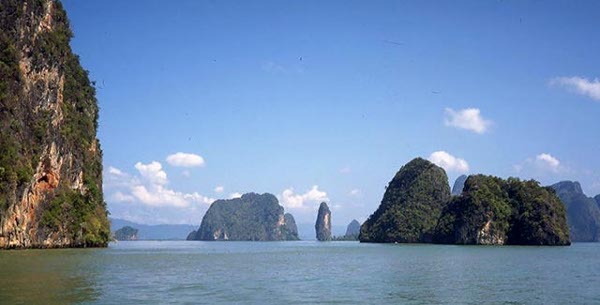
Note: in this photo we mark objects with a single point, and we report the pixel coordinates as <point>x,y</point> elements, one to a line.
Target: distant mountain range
<point>154,232</point>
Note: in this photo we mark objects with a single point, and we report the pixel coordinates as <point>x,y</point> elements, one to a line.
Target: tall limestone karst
<point>583,213</point>
<point>411,205</point>
<point>50,158</point>
<point>253,217</point>
<point>323,224</point>
<point>459,184</point>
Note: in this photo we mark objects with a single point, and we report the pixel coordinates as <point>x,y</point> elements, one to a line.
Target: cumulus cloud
<point>548,161</point>
<point>149,187</point>
<point>219,189</point>
<point>185,160</point>
<point>449,162</point>
<point>580,85</point>
<point>469,119</point>
<point>290,199</point>
<point>115,171</point>
<point>235,195</point>
<point>152,172</point>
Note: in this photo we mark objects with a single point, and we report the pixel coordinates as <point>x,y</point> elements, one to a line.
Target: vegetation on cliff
<point>252,217</point>
<point>411,205</point>
<point>583,212</point>
<point>323,223</point>
<point>495,211</point>
<point>50,159</point>
<point>126,233</point>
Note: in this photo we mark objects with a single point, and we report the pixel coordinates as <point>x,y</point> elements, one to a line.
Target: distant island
<point>253,217</point>
<point>352,232</point>
<point>583,212</point>
<point>417,207</point>
<point>126,233</point>
<point>323,223</point>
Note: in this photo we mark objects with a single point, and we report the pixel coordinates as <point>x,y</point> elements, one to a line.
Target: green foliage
<point>411,205</point>
<point>126,233</point>
<point>252,217</point>
<point>496,211</point>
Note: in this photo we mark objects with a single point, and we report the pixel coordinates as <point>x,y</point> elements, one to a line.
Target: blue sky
<point>313,100</point>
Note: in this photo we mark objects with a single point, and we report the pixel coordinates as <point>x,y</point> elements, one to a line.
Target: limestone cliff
<point>323,224</point>
<point>50,159</point>
<point>253,217</point>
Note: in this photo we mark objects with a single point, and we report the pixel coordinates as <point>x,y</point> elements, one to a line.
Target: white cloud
<point>149,188</point>
<point>355,192</point>
<point>290,199</point>
<point>152,172</point>
<point>469,119</point>
<point>235,195</point>
<point>546,160</point>
<point>185,160</point>
<point>580,85</point>
<point>449,162</point>
<point>219,189</point>
<point>115,171</point>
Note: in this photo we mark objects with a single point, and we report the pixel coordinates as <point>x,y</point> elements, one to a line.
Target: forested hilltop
<point>50,158</point>
<point>417,207</point>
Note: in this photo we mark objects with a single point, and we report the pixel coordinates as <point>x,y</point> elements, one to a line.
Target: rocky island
<point>323,224</point>
<point>50,158</point>
<point>126,233</point>
<point>253,217</point>
<point>459,184</point>
<point>583,212</point>
<point>417,208</point>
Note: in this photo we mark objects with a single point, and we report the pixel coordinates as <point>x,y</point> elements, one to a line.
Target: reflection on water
<point>154,272</point>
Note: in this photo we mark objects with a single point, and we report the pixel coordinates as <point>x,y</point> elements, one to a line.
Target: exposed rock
<point>493,211</point>
<point>459,184</point>
<point>290,230</point>
<point>192,235</point>
<point>597,200</point>
<point>583,213</point>
<point>252,217</point>
<point>323,224</point>
<point>411,205</point>
<point>126,233</point>
<point>50,159</point>
<point>353,228</point>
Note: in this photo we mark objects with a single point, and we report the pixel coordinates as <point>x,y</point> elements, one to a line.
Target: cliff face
<point>353,228</point>
<point>494,211</point>
<point>583,213</point>
<point>410,206</point>
<point>323,224</point>
<point>459,184</point>
<point>252,217</point>
<point>50,159</point>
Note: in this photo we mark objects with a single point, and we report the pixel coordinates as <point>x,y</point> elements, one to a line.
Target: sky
<point>325,100</point>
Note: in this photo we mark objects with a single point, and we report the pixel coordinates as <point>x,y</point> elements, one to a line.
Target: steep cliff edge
<point>50,159</point>
<point>323,223</point>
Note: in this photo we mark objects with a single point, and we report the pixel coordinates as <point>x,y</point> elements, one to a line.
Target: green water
<point>180,272</point>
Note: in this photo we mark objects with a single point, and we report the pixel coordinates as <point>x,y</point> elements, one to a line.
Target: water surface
<point>192,272</point>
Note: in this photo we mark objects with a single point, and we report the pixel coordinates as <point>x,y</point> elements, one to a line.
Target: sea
<point>301,272</point>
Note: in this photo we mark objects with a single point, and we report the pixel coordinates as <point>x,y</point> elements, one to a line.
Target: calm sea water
<point>188,272</point>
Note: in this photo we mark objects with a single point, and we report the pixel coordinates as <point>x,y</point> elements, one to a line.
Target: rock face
<point>290,228</point>
<point>411,205</point>
<point>597,200</point>
<point>353,228</point>
<point>192,235</point>
<point>583,213</point>
<point>50,159</point>
<point>252,217</point>
<point>459,184</point>
<point>126,233</point>
<point>493,211</point>
<point>323,224</point>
